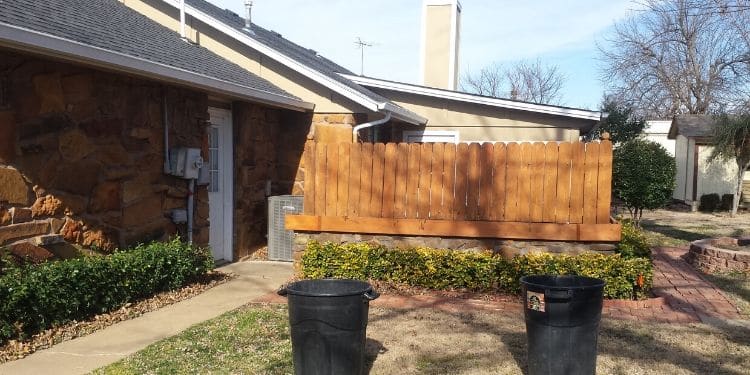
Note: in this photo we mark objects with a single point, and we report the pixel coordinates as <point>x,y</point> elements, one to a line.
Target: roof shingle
<point>112,26</point>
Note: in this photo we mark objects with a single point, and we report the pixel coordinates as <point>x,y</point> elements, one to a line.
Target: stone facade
<point>710,255</point>
<point>268,154</point>
<point>335,127</point>
<point>81,154</point>
<point>506,248</point>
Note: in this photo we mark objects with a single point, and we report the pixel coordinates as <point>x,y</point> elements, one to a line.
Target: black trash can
<point>562,323</point>
<point>328,321</point>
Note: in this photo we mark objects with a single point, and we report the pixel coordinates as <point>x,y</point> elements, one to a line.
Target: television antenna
<point>361,44</point>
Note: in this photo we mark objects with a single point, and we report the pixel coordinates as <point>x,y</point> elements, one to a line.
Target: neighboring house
<point>92,94</point>
<point>695,175</point>
<point>658,131</point>
<point>402,112</point>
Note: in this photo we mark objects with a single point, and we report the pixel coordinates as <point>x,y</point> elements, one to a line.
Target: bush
<point>477,271</point>
<point>633,243</point>
<point>41,296</point>
<point>642,176</point>
<point>709,202</point>
<point>727,200</point>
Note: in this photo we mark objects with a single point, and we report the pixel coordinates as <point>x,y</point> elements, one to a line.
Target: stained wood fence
<point>552,191</point>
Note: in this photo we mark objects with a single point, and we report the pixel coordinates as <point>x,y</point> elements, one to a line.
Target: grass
<point>254,340</point>
<point>737,286</point>
<point>245,341</point>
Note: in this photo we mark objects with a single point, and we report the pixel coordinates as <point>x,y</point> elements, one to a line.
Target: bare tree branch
<point>527,81</point>
<point>679,56</point>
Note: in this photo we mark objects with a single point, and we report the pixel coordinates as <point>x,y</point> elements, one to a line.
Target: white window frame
<point>429,136</point>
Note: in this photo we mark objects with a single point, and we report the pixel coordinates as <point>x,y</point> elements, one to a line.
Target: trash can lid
<point>565,282</point>
<point>328,288</point>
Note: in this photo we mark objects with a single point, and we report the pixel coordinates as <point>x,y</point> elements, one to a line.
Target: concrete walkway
<point>85,354</point>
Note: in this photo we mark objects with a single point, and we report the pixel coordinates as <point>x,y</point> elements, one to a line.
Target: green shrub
<point>38,297</point>
<point>709,202</point>
<point>478,271</point>
<point>643,176</point>
<point>727,200</point>
<point>633,243</point>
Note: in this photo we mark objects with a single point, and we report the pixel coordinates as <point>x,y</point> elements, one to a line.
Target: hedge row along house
<point>84,140</point>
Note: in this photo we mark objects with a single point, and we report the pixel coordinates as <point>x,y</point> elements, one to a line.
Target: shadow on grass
<point>673,232</point>
<point>373,348</point>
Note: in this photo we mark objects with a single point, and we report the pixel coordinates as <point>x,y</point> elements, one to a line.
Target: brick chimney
<point>441,22</point>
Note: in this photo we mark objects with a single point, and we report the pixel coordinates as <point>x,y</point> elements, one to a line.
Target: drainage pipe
<point>182,20</point>
<point>167,163</point>
<point>366,125</point>
<point>190,209</point>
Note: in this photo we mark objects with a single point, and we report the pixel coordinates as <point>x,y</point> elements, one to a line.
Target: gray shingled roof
<point>692,126</point>
<point>303,55</point>
<point>110,25</point>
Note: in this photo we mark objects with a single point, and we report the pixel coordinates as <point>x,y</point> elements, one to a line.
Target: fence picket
<point>516,182</point>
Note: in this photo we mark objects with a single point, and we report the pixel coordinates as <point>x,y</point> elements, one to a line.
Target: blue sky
<point>563,33</point>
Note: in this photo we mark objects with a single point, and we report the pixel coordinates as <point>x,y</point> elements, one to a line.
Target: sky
<point>563,33</point>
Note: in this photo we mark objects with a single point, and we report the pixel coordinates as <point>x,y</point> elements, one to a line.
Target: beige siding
<point>437,46</point>
<point>684,168</point>
<point>325,100</point>
<point>482,123</point>
<point>717,177</point>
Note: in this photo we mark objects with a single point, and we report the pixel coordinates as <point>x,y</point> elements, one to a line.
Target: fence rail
<point>393,187</point>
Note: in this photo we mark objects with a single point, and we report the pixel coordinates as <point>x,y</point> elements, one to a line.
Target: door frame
<point>226,179</point>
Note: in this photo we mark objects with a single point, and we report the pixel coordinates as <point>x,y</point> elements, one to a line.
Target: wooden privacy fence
<point>552,191</point>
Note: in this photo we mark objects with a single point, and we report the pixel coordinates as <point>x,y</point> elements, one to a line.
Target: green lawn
<point>254,340</point>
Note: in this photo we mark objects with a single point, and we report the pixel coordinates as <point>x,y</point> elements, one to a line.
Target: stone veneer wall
<point>708,255</point>
<point>506,248</point>
<point>81,154</point>
<point>268,154</point>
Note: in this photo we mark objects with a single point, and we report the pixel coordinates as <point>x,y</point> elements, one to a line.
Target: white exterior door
<point>220,185</point>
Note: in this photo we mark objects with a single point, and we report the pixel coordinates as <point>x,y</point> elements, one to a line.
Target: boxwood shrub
<point>477,271</point>
<point>36,297</point>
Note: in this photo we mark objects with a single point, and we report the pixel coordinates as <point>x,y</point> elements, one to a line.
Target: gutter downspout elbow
<point>366,125</point>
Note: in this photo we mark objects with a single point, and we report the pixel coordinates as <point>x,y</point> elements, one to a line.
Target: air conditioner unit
<point>280,240</point>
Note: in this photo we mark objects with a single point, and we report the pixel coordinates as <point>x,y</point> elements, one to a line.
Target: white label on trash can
<point>535,301</point>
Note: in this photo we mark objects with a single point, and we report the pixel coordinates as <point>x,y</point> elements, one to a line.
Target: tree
<point>731,141</point>
<point>643,176</point>
<point>528,81</point>
<point>621,123</point>
<point>677,57</point>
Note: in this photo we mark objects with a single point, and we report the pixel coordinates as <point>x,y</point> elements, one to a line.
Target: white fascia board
<point>31,40</point>
<point>314,75</point>
<point>469,98</point>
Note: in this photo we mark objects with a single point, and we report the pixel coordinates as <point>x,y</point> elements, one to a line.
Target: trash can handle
<point>282,291</point>
<point>370,294</point>
<point>559,294</point>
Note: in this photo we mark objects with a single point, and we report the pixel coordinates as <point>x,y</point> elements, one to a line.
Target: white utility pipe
<point>368,125</point>
<point>182,19</point>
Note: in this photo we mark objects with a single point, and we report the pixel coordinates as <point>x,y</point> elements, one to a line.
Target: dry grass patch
<point>255,340</point>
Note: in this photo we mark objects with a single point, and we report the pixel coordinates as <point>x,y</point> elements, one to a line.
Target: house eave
<point>24,39</point>
<point>469,98</point>
<point>292,64</point>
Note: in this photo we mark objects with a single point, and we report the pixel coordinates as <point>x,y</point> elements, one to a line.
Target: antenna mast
<point>361,45</point>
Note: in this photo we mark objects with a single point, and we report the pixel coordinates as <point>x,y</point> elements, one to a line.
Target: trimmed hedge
<point>478,271</point>
<point>41,296</point>
<point>633,243</point>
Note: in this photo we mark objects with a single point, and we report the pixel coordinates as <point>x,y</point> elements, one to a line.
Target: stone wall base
<point>507,248</point>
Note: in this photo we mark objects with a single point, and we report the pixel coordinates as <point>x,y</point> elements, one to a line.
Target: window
<point>213,159</point>
<point>431,136</point>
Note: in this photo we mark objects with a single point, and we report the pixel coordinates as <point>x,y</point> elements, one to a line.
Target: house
<point>93,95</point>
<point>696,176</point>
<point>376,110</point>
<point>658,131</point>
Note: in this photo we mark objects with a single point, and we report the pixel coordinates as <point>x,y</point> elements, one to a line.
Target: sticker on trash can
<point>535,301</point>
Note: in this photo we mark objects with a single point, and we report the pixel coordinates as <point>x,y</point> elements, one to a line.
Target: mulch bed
<point>17,349</point>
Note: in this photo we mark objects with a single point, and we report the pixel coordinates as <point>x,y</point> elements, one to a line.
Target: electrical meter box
<point>186,162</point>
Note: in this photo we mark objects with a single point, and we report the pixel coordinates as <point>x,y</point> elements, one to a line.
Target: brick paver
<point>683,296</point>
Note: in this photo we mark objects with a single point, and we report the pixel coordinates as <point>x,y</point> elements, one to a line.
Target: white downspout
<point>182,20</point>
<point>368,125</point>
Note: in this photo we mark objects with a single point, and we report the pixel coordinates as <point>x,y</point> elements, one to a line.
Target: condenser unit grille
<point>280,240</point>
